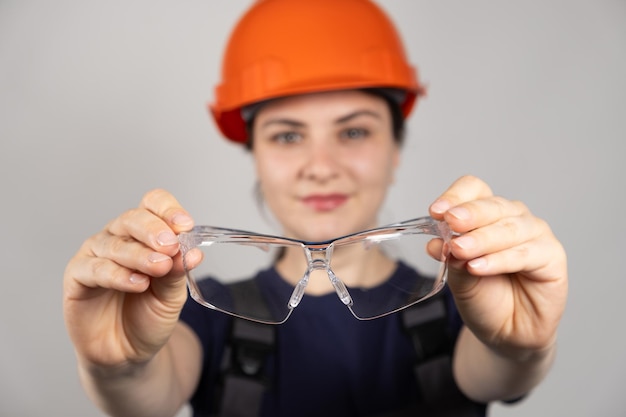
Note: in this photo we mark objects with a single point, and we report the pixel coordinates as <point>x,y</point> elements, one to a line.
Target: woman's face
<point>325,161</point>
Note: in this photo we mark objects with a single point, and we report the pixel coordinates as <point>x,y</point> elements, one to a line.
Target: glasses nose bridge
<point>318,258</point>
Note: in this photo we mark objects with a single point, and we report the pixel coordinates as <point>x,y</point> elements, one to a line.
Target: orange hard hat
<point>286,47</point>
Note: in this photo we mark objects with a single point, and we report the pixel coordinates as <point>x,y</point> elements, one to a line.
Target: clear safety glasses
<point>263,278</point>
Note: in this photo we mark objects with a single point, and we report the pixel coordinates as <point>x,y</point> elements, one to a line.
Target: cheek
<point>376,170</point>
<point>272,174</point>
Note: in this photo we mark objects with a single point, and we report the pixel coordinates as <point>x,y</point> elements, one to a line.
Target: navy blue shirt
<point>326,361</point>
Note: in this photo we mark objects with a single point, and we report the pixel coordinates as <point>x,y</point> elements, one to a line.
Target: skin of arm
<point>161,386</point>
<point>485,375</point>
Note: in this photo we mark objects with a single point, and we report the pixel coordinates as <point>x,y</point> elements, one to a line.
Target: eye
<point>354,133</point>
<point>287,137</point>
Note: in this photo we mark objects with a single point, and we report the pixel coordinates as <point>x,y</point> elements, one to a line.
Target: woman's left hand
<point>508,272</point>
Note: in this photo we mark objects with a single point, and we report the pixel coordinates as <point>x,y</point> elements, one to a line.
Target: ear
<point>395,163</point>
<point>396,157</point>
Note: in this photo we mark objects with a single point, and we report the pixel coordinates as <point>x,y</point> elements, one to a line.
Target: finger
<point>169,285</point>
<point>188,260</point>
<point>166,207</point>
<point>534,257</point>
<point>479,213</point>
<point>103,273</point>
<point>155,222</point>
<point>466,188</point>
<point>130,254</point>
<point>505,233</point>
<point>144,226</point>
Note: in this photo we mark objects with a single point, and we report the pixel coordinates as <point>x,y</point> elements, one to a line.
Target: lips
<point>324,202</point>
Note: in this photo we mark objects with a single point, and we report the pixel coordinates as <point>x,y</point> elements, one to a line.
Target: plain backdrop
<point>101,101</point>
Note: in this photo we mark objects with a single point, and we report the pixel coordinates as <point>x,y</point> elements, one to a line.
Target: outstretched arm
<point>508,275</point>
<point>123,292</point>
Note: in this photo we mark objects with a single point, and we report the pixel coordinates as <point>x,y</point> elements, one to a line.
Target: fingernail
<point>465,242</point>
<point>479,263</point>
<point>155,257</point>
<point>137,278</point>
<point>167,239</point>
<point>181,219</point>
<point>460,213</point>
<point>440,206</point>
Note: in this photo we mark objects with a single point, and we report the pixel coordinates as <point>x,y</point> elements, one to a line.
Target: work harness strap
<point>244,384</point>
<point>427,326</point>
<point>249,345</point>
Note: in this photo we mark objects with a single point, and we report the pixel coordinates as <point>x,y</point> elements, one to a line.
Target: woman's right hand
<point>125,287</point>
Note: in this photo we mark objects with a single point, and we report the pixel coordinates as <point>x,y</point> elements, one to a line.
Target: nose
<point>322,161</point>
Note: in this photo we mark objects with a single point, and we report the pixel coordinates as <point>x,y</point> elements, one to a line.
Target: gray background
<point>102,101</point>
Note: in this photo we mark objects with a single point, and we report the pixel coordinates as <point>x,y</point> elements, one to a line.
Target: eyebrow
<point>356,114</point>
<point>342,119</point>
<point>289,122</point>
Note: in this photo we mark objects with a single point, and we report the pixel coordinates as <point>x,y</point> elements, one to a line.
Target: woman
<point>318,91</point>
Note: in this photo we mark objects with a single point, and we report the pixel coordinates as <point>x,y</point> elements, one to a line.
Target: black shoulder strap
<point>248,300</point>
<point>427,326</point>
<point>250,343</point>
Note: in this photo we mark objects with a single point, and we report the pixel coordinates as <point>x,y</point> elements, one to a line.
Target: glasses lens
<point>228,279</point>
<point>374,273</point>
<point>402,273</point>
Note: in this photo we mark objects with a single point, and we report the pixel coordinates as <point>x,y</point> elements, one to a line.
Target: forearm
<point>485,375</point>
<point>155,388</point>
